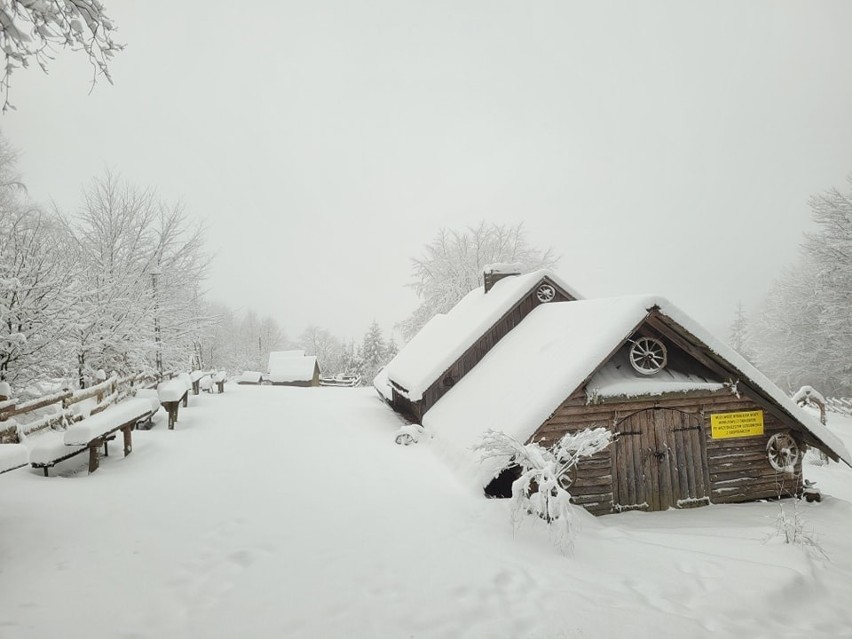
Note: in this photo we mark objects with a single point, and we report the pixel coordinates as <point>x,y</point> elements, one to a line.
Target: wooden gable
<point>664,453</point>
<point>474,354</point>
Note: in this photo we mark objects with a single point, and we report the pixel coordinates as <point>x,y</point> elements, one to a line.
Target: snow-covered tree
<point>452,263</point>
<point>802,333</point>
<point>35,275</point>
<point>31,30</point>
<point>542,490</point>
<point>738,336</point>
<point>140,263</point>
<point>327,348</point>
<point>372,354</point>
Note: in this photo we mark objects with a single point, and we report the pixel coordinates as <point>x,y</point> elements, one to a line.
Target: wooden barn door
<point>659,461</point>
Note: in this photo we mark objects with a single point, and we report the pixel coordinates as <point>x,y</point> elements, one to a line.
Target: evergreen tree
<point>372,354</point>
<point>738,337</point>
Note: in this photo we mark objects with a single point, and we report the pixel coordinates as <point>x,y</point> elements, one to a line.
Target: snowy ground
<point>278,512</point>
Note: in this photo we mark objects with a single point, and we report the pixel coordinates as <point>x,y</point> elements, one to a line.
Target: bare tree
<point>140,265</point>
<point>327,348</point>
<point>34,280</point>
<point>452,263</point>
<point>33,29</point>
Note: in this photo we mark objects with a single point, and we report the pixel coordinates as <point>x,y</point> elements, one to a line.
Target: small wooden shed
<point>450,345</point>
<point>693,423</point>
<point>293,368</point>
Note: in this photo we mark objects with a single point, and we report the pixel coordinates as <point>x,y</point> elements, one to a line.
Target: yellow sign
<point>728,425</point>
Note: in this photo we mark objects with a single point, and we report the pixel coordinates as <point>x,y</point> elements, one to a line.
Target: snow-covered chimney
<point>493,273</point>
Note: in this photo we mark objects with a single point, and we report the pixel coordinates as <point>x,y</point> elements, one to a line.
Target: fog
<point>663,147</point>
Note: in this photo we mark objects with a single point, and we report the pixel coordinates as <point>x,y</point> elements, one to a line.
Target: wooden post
<point>128,439</point>
<point>185,399</point>
<point>93,456</point>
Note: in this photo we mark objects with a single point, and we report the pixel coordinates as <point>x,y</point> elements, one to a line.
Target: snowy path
<point>276,512</point>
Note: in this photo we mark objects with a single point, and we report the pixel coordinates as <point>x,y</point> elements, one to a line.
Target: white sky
<point>663,147</point>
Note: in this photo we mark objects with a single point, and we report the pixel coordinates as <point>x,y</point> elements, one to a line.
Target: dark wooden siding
<point>473,355</point>
<point>737,469</point>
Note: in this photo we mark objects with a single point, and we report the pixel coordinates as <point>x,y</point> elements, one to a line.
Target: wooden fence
<point>63,404</point>
<point>842,405</point>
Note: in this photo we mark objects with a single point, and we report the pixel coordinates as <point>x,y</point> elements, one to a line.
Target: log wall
<point>737,469</point>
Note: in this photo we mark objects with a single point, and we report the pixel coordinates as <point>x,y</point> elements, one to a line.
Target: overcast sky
<point>660,147</point>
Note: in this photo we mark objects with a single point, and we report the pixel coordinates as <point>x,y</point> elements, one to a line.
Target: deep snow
<point>290,512</point>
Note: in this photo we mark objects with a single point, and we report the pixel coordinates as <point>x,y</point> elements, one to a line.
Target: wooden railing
<point>104,394</point>
<point>842,405</point>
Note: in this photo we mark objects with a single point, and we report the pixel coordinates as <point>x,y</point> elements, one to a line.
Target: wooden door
<point>659,461</point>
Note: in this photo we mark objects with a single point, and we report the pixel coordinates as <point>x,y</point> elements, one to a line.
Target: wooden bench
<point>195,379</point>
<point>172,393</point>
<point>12,457</point>
<point>93,432</point>
<point>219,380</point>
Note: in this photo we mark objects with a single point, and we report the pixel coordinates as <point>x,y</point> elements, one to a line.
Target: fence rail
<point>66,402</point>
<point>841,405</point>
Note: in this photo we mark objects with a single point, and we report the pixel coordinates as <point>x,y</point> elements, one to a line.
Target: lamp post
<point>157,337</point>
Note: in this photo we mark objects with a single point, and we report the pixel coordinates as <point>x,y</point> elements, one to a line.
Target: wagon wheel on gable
<point>783,452</point>
<point>648,356</point>
<point>545,293</point>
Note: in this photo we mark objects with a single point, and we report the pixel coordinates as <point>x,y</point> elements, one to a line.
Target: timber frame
<point>663,453</point>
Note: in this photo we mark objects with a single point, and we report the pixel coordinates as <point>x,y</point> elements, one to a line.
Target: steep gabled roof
<point>445,338</point>
<point>293,369</point>
<point>556,349</point>
<point>277,356</point>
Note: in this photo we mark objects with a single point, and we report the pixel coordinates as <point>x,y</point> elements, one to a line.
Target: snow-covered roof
<point>382,385</point>
<point>445,338</point>
<point>293,369</point>
<point>549,355</point>
<point>278,356</point>
<point>252,377</point>
<point>617,378</point>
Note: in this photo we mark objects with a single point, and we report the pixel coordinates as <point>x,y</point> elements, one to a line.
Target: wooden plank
<point>647,474</point>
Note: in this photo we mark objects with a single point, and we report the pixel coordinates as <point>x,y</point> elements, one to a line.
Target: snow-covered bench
<point>51,450</point>
<point>219,380</point>
<point>195,378</point>
<point>93,432</point>
<point>171,394</point>
<point>13,456</point>
<point>152,396</point>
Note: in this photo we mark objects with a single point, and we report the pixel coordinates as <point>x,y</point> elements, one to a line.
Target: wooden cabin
<point>293,368</point>
<point>693,423</point>
<point>450,345</point>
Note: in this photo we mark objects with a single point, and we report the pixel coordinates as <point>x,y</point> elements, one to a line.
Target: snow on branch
<point>546,475</point>
<point>31,29</point>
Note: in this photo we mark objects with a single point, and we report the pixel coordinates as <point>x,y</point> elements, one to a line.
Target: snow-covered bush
<point>542,488</point>
<point>790,528</point>
<point>409,434</point>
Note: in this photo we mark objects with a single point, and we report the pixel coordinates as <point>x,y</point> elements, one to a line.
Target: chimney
<point>493,273</point>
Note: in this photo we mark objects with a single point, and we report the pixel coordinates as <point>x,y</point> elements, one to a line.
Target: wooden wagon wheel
<point>783,452</point>
<point>545,293</point>
<point>648,356</point>
<point>567,478</point>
